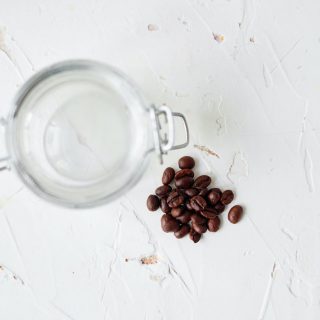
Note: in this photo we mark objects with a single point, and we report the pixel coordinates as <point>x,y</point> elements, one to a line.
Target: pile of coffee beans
<point>189,205</point>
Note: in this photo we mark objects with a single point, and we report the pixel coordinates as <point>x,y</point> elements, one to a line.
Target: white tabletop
<point>246,75</point>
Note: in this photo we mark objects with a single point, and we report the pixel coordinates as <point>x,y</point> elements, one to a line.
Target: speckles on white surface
<point>253,99</point>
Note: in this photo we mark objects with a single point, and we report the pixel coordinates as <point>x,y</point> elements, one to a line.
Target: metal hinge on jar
<point>166,141</point>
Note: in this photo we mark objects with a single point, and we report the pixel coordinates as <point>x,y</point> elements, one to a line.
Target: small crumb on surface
<point>252,39</point>
<point>218,37</point>
<point>126,259</point>
<point>149,260</point>
<point>1,267</point>
<point>153,27</point>
<point>207,150</point>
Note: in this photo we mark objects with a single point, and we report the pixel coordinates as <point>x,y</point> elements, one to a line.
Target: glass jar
<point>79,133</point>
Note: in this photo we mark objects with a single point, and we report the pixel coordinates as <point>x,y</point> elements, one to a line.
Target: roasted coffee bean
<point>162,191</point>
<point>209,213</point>
<point>202,182</point>
<point>184,173</point>
<point>203,192</point>
<point>175,199</point>
<point>214,197</point>
<point>186,162</point>
<point>198,203</point>
<point>235,214</point>
<point>183,231</point>
<point>200,228</point>
<point>214,224</point>
<point>227,197</point>
<point>168,175</point>
<point>185,217</point>
<point>219,207</point>
<point>191,192</point>
<point>188,205</point>
<point>164,206</point>
<point>176,212</point>
<point>153,202</point>
<point>198,219</point>
<point>194,235</point>
<point>185,182</point>
<point>169,224</point>
<point>216,190</point>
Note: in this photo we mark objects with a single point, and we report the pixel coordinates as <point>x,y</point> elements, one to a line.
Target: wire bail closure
<point>165,143</point>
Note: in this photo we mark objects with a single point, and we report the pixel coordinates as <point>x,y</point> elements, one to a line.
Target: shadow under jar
<point>79,133</point>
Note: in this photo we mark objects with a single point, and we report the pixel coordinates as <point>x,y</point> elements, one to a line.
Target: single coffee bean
<point>214,197</point>
<point>200,228</point>
<point>169,224</point>
<point>227,197</point>
<point>219,207</point>
<point>162,191</point>
<point>186,162</point>
<point>164,206</point>
<point>188,205</point>
<point>209,213</point>
<point>202,182</point>
<point>235,214</point>
<point>214,224</point>
<point>198,219</point>
<point>183,231</point>
<point>176,212</point>
<point>184,182</point>
<point>194,235</point>
<point>153,202</point>
<point>198,203</point>
<point>168,175</point>
<point>175,199</point>
<point>184,173</point>
<point>203,192</point>
<point>216,190</point>
<point>185,217</point>
<point>192,192</point>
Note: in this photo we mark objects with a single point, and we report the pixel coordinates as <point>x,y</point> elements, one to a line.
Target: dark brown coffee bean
<point>194,235</point>
<point>184,230</point>
<point>198,219</point>
<point>153,202</point>
<point>200,228</point>
<point>198,203</point>
<point>192,192</point>
<point>214,224</point>
<point>186,162</point>
<point>235,214</point>
<point>185,182</point>
<point>188,205</point>
<point>209,213</point>
<point>164,206</point>
<point>169,224</point>
<point>162,191</point>
<point>184,173</point>
<point>214,197</point>
<point>185,217</point>
<point>175,199</point>
<point>202,182</point>
<point>168,175</point>
<point>216,190</point>
<point>176,212</point>
<point>227,197</point>
<point>219,207</point>
<point>203,192</point>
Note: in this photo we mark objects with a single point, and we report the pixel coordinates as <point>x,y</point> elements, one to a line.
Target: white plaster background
<point>253,98</point>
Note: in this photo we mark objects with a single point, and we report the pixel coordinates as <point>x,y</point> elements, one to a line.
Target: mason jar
<point>80,133</point>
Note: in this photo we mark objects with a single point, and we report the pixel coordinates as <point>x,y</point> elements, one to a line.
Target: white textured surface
<point>246,74</point>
